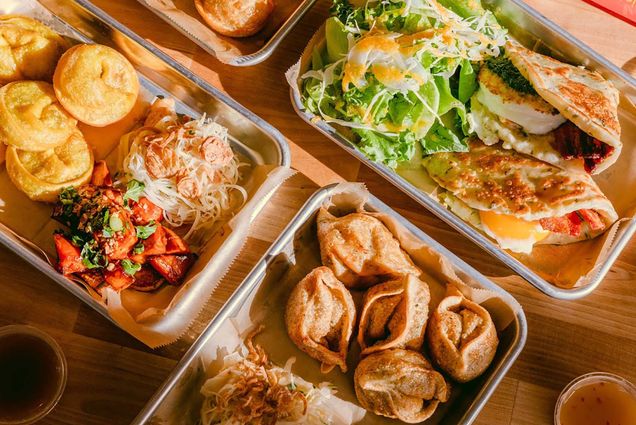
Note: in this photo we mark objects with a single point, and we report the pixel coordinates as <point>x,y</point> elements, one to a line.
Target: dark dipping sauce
<point>30,375</point>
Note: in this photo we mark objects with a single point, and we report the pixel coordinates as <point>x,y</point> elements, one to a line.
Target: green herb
<point>144,232</point>
<point>134,190</point>
<point>291,386</point>
<point>503,67</point>
<point>77,240</point>
<point>92,256</point>
<point>130,267</point>
<point>139,248</point>
<point>115,223</point>
<point>107,232</point>
<point>67,199</point>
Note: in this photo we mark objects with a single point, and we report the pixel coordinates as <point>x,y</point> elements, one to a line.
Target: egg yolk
<point>511,227</point>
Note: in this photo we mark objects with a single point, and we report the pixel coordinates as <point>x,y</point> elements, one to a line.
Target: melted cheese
<point>511,232</point>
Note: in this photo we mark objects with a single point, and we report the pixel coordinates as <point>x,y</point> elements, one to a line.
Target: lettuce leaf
<point>442,139</point>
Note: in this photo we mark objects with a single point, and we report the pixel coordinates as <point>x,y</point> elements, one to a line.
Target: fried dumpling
<point>320,317</point>
<point>462,338</point>
<point>360,250</point>
<point>399,384</point>
<point>394,315</point>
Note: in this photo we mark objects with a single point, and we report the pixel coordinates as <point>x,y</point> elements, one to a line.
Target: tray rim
<point>253,279</point>
<point>14,243</point>
<point>177,66</point>
<point>567,294</point>
<point>250,59</point>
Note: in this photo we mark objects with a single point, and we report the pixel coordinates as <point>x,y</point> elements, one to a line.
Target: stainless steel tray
<point>178,395</point>
<point>256,140</point>
<point>248,59</point>
<point>533,29</point>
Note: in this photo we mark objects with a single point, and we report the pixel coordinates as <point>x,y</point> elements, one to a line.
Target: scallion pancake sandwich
<point>556,112</point>
<point>518,200</point>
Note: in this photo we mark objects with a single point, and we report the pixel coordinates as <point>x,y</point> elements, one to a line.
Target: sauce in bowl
<point>32,374</point>
<point>597,399</point>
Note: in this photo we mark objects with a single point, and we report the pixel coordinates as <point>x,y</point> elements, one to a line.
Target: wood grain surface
<point>111,375</point>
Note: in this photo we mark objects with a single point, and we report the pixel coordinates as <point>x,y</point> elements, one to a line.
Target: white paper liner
<point>566,266</point>
<point>183,15</point>
<point>160,317</point>
<point>266,305</point>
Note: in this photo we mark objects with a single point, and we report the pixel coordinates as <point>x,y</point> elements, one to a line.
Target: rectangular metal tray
<point>531,28</point>
<point>249,59</point>
<point>182,386</point>
<point>254,138</point>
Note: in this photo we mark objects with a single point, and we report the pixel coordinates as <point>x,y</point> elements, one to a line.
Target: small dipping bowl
<point>53,394</point>
<point>592,379</point>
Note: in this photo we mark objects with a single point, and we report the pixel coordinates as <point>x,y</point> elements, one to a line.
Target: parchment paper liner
<point>266,305</point>
<point>160,317</point>
<point>566,266</point>
<point>183,15</point>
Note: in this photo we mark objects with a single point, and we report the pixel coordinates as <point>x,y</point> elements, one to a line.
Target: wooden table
<point>112,375</point>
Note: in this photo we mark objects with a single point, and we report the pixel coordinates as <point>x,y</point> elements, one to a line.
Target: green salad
<point>398,74</point>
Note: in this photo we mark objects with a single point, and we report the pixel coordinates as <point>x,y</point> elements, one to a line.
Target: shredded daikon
<point>193,188</point>
<point>250,390</point>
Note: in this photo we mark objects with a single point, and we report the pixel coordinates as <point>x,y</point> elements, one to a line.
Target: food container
<point>262,296</point>
<point>183,16</point>
<point>259,144</point>
<point>558,278</point>
<point>612,405</point>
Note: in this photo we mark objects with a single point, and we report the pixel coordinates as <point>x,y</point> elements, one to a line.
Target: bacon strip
<point>571,143</point>
<point>570,224</point>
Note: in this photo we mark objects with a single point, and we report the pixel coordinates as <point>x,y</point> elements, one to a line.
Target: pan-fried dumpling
<point>399,384</point>
<point>320,316</point>
<point>462,338</point>
<point>394,315</point>
<point>360,250</point>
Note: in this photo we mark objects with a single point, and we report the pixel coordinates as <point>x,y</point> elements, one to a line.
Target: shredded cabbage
<point>394,71</point>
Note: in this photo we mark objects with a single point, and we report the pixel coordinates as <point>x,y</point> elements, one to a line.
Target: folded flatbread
<point>560,113</point>
<point>518,200</point>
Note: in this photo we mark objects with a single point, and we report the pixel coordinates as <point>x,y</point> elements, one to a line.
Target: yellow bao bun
<point>42,175</point>
<point>31,118</point>
<point>29,50</point>
<point>235,18</point>
<point>96,84</point>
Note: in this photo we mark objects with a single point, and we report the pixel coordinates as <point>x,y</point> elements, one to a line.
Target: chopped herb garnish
<point>130,267</point>
<point>138,249</point>
<point>503,67</point>
<point>92,256</point>
<point>144,232</point>
<point>134,190</point>
<point>115,223</point>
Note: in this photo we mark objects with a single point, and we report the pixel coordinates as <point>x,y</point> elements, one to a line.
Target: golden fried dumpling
<point>31,118</point>
<point>29,50</point>
<point>96,84</point>
<point>394,315</point>
<point>462,338</point>
<point>320,316</point>
<point>360,250</point>
<point>235,18</point>
<point>399,384</point>
<point>42,175</point>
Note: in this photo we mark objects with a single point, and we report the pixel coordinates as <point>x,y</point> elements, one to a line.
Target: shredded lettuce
<point>398,73</point>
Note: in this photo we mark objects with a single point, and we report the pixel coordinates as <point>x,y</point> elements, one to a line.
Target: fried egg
<point>382,55</point>
<point>531,112</point>
<point>512,233</point>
